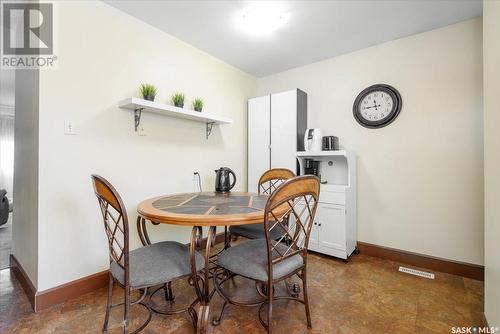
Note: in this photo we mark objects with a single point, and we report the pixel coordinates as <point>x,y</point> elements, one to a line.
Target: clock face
<point>377,106</point>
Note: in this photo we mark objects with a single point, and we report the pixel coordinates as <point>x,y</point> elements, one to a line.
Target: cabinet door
<point>314,237</point>
<point>259,136</point>
<point>332,221</point>
<point>284,130</point>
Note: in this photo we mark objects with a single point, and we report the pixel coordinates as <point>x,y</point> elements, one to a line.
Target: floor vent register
<point>416,272</point>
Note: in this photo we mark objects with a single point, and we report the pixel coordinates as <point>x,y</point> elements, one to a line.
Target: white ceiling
<point>314,30</point>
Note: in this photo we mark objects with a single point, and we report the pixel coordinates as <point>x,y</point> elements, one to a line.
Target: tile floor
<point>366,295</point>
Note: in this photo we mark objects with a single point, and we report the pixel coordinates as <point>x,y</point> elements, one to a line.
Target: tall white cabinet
<point>276,127</point>
<point>334,231</point>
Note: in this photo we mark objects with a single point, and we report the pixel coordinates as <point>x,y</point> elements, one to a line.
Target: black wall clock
<point>377,106</point>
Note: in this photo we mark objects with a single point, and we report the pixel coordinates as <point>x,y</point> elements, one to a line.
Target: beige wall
<point>104,55</point>
<point>491,35</point>
<point>420,179</point>
<point>25,214</point>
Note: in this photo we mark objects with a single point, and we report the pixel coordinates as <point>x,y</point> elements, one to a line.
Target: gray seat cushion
<point>157,263</point>
<point>254,231</point>
<point>249,259</point>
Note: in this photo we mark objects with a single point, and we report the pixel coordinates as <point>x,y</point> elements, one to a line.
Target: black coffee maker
<point>223,179</point>
<point>311,167</point>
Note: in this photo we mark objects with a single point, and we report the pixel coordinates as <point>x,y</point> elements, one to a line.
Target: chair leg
<point>270,297</point>
<point>108,305</point>
<point>169,294</point>
<point>306,298</point>
<point>194,316</point>
<point>216,321</point>
<point>126,309</point>
<point>227,238</point>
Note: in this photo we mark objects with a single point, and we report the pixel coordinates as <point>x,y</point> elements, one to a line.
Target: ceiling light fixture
<point>262,18</point>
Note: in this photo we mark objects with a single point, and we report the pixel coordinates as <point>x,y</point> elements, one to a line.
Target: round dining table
<point>198,210</point>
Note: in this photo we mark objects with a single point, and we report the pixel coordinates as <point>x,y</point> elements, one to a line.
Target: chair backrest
<point>115,221</point>
<point>272,179</point>
<point>290,212</point>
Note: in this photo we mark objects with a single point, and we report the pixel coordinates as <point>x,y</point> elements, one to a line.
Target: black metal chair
<point>289,210</point>
<point>268,183</point>
<point>141,268</point>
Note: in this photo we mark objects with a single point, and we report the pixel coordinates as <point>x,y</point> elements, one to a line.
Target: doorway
<point>7,116</point>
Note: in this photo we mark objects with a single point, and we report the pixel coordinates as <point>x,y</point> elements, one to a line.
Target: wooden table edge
<point>146,210</point>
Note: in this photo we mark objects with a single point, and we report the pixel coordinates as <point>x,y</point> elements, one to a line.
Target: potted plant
<point>198,104</point>
<point>178,100</point>
<point>148,92</point>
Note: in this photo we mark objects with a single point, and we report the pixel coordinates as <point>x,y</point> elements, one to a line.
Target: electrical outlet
<point>141,132</point>
<point>69,128</point>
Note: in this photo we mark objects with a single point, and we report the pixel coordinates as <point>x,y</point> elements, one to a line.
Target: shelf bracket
<point>209,128</point>
<point>137,117</point>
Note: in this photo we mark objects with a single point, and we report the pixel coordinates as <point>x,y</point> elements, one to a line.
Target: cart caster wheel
<point>216,322</point>
<point>356,251</point>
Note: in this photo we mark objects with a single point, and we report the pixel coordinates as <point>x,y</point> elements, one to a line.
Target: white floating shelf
<point>139,105</point>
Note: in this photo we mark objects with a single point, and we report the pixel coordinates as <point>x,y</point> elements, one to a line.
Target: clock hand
<point>375,106</point>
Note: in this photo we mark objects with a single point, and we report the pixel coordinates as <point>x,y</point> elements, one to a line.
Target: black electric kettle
<point>222,179</point>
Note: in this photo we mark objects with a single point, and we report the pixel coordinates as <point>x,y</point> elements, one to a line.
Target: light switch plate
<point>69,128</point>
